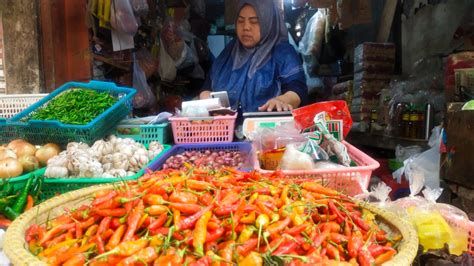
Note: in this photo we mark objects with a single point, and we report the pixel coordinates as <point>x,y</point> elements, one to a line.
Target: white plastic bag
<point>123,20</point>
<point>140,7</point>
<point>293,159</point>
<point>423,168</point>
<point>313,36</point>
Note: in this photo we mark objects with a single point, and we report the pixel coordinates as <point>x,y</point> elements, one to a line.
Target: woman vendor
<point>260,70</point>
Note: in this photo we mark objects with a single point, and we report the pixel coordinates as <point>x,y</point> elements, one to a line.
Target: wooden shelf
<point>381,141</point>
<point>112,62</point>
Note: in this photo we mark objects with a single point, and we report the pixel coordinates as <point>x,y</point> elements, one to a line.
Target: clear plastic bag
<point>144,97</point>
<point>313,36</point>
<point>123,20</point>
<point>140,7</point>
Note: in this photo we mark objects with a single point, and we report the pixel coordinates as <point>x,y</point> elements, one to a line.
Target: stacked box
<point>374,64</point>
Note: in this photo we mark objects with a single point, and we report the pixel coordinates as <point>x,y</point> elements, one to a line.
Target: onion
<point>46,152</point>
<point>7,153</point>
<point>29,163</point>
<point>22,148</point>
<point>10,167</point>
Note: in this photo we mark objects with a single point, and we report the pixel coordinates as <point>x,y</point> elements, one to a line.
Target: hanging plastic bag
<point>313,36</point>
<point>140,7</point>
<point>123,20</point>
<point>167,68</point>
<point>144,97</point>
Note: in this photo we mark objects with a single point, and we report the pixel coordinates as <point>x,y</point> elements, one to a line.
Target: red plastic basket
<point>350,180</point>
<point>203,129</point>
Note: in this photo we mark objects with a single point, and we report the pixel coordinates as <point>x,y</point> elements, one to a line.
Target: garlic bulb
<point>120,161</point>
<point>58,160</point>
<point>77,146</point>
<point>102,148</point>
<point>56,171</point>
<point>106,159</point>
<point>116,173</point>
<point>155,146</point>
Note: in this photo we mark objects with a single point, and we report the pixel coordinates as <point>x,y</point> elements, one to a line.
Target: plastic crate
<point>465,225</point>
<point>350,180</point>
<point>44,131</point>
<point>203,129</point>
<point>54,186</point>
<point>145,134</point>
<point>12,104</point>
<point>244,147</point>
<point>19,182</point>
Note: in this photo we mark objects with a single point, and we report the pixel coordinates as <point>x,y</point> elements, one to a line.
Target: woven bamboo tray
<point>16,249</point>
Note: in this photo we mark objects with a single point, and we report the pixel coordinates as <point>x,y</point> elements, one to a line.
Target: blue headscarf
<point>272,31</point>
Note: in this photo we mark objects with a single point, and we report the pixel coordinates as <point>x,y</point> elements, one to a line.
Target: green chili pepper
<point>20,202</point>
<point>76,106</point>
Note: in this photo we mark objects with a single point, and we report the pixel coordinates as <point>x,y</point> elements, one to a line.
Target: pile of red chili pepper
<point>224,217</point>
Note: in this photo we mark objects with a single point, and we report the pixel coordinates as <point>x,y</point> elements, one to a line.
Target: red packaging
<point>336,110</point>
<point>455,61</point>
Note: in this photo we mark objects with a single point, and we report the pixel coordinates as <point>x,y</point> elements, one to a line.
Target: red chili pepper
<point>54,231</point>
<point>285,248</point>
<point>100,244</point>
<point>333,252</point>
<point>296,230</point>
<point>226,210</point>
<point>101,199</point>
<point>317,188</point>
<point>229,198</point>
<point>278,226</point>
<point>160,231</point>
<point>204,261</point>
<point>226,253</point>
<point>323,218</point>
<point>360,223</point>
<point>144,256</point>
<point>79,231</point>
<point>159,222</point>
<point>347,228</point>
<point>334,210</point>
<point>364,258</point>
<point>104,225</point>
<point>245,248</point>
<point>264,209</point>
<point>214,235</point>
<point>319,239</point>
<point>4,223</point>
<point>76,260</point>
<point>354,244</point>
<point>186,208</point>
<point>110,204</point>
<point>338,238</point>
<point>330,226</point>
<point>377,250</point>
<point>382,258</point>
<point>206,199</point>
<point>190,221</point>
<point>198,185</point>
<point>133,220</point>
<point>115,223</point>
<point>88,222</point>
<point>183,197</point>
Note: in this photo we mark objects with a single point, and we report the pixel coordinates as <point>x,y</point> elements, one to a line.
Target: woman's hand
<point>285,102</point>
<point>275,104</point>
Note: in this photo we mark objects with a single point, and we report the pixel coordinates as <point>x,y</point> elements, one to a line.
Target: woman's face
<point>248,27</point>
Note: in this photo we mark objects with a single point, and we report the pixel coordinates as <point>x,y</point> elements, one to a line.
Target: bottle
<point>414,123</point>
<point>373,119</point>
<point>428,121</point>
<point>397,121</point>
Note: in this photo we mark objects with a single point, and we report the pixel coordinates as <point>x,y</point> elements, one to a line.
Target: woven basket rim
<point>18,254</point>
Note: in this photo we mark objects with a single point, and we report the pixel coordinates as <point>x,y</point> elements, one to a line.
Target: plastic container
<point>42,131</point>
<point>465,225</point>
<point>12,104</point>
<point>244,147</point>
<point>19,182</point>
<point>203,129</point>
<point>145,134</point>
<point>54,186</point>
<point>350,180</point>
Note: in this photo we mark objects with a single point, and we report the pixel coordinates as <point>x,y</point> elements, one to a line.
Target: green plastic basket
<point>55,186</point>
<point>145,134</point>
<point>19,182</point>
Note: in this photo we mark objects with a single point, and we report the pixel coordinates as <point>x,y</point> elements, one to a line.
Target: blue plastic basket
<point>44,131</point>
<point>8,131</point>
<point>244,147</point>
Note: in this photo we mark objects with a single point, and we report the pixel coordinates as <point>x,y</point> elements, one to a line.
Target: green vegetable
<point>20,202</point>
<point>76,107</point>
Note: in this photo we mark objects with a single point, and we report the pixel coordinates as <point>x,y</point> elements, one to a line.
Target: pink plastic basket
<point>465,225</point>
<point>350,180</point>
<point>203,129</point>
